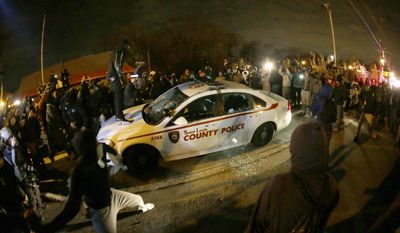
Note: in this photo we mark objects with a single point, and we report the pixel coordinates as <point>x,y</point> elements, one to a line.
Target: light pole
<point>41,48</point>
<point>382,52</point>
<point>328,8</point>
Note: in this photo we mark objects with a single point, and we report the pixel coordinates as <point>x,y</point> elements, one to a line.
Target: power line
<point>366,25</point>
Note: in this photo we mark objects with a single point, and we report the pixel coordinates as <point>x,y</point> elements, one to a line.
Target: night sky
<point>79,28</point>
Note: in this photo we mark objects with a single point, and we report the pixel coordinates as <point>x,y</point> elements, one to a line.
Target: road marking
<point>47,160</point>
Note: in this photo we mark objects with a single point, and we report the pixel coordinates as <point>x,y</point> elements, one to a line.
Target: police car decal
<point>198,133</point>
<point>273,106</point>
<point>156,137</point>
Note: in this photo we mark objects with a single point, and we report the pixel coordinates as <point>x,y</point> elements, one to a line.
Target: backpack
<point>328,113</point>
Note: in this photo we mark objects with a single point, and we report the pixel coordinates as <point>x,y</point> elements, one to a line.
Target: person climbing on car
<point>116,77</point>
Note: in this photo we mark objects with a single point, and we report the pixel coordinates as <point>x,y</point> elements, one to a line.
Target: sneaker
<point>356,140</point>
<point>124,122</point>
<point>119,119</point>
<point>146,207</point>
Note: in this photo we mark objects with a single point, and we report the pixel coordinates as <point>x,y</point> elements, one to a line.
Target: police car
<point>196,118</point>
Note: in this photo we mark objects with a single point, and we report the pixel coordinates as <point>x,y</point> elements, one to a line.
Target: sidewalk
<point>369,180</point>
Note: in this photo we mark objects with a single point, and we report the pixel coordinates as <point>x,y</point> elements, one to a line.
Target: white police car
<point>196,118</point>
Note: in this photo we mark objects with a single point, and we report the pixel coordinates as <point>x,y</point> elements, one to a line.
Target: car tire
<point>263,134</point>
<point>140,159</point>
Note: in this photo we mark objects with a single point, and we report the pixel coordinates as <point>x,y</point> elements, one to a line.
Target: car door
<point>240,118</point>
<point>196,133</point>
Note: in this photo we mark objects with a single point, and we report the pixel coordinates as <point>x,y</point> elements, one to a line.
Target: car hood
<point>115,131</point>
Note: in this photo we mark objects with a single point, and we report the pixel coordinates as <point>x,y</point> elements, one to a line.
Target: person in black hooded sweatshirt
<point>282,203</point>
<point>90,182</point>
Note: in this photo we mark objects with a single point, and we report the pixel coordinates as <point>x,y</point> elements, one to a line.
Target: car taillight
<point>289,106</point>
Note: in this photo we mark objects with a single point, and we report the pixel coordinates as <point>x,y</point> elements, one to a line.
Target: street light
<point>17,102</point>
<point>328,9</point>
<point>268,66</point>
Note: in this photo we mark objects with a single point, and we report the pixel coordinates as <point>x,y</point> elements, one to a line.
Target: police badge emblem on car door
<point>174,136</point>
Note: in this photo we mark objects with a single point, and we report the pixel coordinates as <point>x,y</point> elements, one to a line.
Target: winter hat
<point>309,148</point>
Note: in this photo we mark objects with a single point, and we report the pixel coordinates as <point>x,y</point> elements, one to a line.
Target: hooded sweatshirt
<point>281,204</point>
<point>318,106</point>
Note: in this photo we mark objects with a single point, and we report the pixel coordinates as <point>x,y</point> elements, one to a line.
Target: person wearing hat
<point>89,182</point>
<point>115,76</point>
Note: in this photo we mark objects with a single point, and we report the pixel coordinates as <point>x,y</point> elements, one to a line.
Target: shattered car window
<point>163,106</point>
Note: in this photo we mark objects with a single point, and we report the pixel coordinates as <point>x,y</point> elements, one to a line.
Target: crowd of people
<point>50,122</point>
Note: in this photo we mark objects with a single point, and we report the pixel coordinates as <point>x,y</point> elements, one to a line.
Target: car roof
<point>195,87</point>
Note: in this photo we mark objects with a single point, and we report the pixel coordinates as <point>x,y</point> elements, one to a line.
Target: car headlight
<point>108,142</point>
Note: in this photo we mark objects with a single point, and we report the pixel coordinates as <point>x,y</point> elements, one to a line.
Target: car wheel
<point>140,159</point>
<point>263,134</point>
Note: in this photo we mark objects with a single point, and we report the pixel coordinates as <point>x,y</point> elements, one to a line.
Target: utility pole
<point>148,60</point>
<point>2,90</point>
<point>41,48</point>
<point>328,9</point>
<point>1,83</point>
<point>382,59</point>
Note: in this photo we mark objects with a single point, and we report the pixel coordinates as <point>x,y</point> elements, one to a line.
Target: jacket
<point>117,59</point>
<point>368,98</point>
<point>318,105</point>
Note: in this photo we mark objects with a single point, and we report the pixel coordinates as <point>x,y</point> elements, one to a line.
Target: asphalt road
<point>217,192</point>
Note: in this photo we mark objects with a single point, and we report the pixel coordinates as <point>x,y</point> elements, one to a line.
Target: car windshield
<point>163,106</point>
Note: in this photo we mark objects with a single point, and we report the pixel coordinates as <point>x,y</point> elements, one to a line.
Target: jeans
<point>367,119</point>
<point>339,116</point>
<point>117,90</point>
<point>296,96</point>
<point>105,220</point>
<point>305,101</point>
<point>286,92</point>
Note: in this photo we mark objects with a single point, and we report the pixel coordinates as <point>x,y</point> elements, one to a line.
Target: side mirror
<point>180,121</point>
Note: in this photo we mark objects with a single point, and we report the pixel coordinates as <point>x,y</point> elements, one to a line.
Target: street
<point>161,98</point>
<point>217,192</point>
